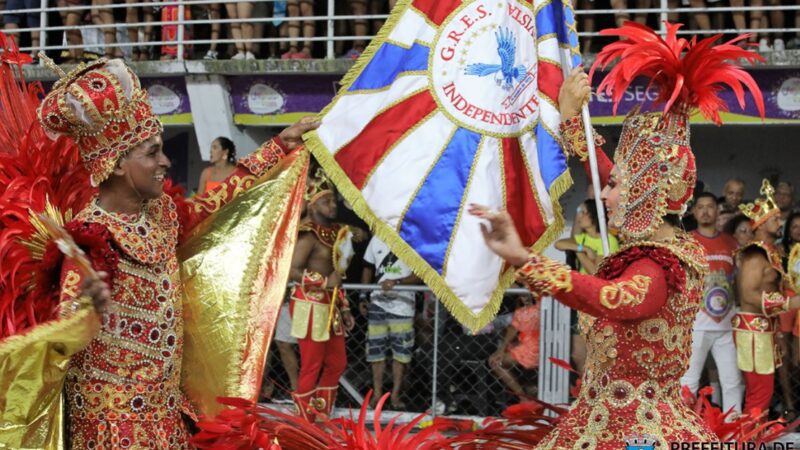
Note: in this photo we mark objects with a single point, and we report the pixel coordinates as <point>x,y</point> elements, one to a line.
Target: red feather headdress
<point>687,73</point>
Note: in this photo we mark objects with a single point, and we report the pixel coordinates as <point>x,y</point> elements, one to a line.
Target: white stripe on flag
<point>549,49</point>
<point>531,153</point>
<point>351,113</point>
<point>412,27</point>
<point>473,269</point>
<point>397,177</point>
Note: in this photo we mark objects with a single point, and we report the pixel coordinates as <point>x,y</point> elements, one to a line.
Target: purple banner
<point>280,98</point>
<point>780,88</point>
<point>169,98</point>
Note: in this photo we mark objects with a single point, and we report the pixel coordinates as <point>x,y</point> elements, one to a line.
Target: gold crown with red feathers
<point>656,165</point>
<point>103,107</point>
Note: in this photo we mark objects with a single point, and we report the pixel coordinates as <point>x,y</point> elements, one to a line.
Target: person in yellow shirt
<point>588,247</point>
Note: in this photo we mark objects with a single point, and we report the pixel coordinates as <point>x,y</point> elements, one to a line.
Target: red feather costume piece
<point>684,72</point>
<point>38,175</point>
<point>245,425</point>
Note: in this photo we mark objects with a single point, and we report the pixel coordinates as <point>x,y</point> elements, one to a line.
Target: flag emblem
<point>483,68</point>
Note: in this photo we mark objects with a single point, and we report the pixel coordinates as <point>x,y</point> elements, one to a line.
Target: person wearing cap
<point>761,289</point>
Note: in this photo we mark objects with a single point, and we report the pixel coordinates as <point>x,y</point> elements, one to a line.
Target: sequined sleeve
<point>573,140</point>
<point>638,292</point>
<point>248,170</point>
<point>70,298</point>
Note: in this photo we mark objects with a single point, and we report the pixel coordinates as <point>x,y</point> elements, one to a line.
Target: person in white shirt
<point>390,314</point>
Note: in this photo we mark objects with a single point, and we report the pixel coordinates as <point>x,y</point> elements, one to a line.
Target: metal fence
<point>452,371</point>
<point>186,26</point>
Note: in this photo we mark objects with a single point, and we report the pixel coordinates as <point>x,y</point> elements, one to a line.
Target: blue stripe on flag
<point>389,61</point>
<point>553,19</point>
<point>430,219</point>
<point>552,162</point>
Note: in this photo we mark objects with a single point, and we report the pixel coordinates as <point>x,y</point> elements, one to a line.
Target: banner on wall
<point>170,99</point>
<point>277,100</point>
<point>283,99</point>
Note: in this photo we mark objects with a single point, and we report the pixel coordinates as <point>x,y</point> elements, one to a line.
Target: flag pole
<point>595,172</point>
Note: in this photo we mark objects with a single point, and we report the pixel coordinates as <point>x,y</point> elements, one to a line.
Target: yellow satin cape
<point>234,267</point>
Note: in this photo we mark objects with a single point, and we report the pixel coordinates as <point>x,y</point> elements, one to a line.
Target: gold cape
<point>234,267</point>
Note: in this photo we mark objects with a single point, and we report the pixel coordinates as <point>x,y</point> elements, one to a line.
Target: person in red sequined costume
<point>761,290</point>
<point>320,311</point>
<point>646,295</point>
<point>123,389</point>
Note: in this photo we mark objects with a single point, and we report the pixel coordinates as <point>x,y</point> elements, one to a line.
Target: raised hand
<point>574,93</point>
<point>501,235</point>
<point>292,137</point>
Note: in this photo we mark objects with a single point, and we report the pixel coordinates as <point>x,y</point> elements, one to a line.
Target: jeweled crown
<point>103,107</point>
<point>762,208</point>
<point>318,186</point>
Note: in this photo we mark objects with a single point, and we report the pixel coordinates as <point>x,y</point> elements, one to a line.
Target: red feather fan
<point>686,73</point>
<point>34,171</point>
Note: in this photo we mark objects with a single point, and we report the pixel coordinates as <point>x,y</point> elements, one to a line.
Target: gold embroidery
<point>625,293</point>
<point>70,286</point>
<point>544,276</point>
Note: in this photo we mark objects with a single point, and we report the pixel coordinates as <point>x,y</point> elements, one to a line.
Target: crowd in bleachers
<point>300,26</point>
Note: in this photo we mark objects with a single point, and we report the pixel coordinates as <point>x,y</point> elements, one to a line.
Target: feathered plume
<point>37,175</point>
<point>730,427</point>
<point>246,426</point>
<point>686,73</point>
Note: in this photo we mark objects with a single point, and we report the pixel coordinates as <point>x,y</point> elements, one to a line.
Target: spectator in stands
<point>519,348</point>
<point>27,20</point>
<point>223,163</point>
<point>588,247</point>
<point>141,52</point>
<point>242,30</point>
<point>169,32</point>
<point>72,19</point>
<point>784,197</point>
<point>712,332</point>
<point>299,8</point>
<point>213,14</point>
<point>740,228</point>
<point>390,316</point>
<point>622,5</point>
<point>732,195</point>
<point>360,28</point>
<point>587,23</point>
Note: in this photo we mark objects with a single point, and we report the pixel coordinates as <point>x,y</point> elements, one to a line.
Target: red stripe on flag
<point>360,156</point>
<point>436,10</point>
<point>550,79</point>
<point>521,203</point>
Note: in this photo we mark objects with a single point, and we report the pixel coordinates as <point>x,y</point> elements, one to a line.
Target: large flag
<point>454,102</point>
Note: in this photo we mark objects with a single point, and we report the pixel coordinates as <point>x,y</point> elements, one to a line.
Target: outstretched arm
<point>640,291</point>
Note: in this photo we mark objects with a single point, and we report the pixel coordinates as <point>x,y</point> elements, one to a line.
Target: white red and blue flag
<point>455,102</point>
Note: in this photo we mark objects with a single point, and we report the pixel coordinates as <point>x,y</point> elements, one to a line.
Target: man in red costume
<point>320,311</point>
<point>760,286</point>
<point>123,390</point>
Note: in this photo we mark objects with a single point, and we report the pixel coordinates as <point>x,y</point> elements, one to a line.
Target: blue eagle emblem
<point>506,73</point>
